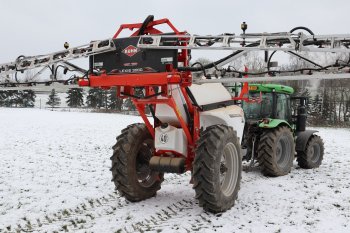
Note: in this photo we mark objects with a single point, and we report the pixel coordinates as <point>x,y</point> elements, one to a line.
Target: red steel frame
<point>149,29</point>
<point>126,84</point>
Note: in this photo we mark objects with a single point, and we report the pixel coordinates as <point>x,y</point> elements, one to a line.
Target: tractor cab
<point>268,101</point>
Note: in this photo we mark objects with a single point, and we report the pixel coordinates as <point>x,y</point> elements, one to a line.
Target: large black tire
<point>276,151</point>
<point>132,175</point>
<point>217,168</point>
<point>312,156</point>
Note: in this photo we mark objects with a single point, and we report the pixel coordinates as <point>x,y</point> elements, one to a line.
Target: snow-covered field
<point>54,176</point>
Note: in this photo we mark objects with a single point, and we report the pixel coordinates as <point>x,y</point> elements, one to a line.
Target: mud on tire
<point>217,168</point>
<point>130,164</point>
<point>312,156</point>
<point>276,151</point>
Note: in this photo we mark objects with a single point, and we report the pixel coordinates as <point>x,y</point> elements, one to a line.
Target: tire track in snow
<point>173,217</point>
<point>81,217</point>
<point>72,219</point>
<point>158,213</point>
<point>169,218</point>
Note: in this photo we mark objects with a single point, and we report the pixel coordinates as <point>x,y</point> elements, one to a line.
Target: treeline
<point>329,101</point>
<point>96,98</point>
<point>20,99</point>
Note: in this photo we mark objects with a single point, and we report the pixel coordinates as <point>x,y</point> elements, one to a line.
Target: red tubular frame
<point>126,83</point>
<point>150,28</point>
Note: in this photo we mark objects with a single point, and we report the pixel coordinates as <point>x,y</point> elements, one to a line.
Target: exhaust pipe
<point>167,164</point>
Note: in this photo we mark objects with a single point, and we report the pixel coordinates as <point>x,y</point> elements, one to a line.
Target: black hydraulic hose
<point>17,61</point>
<point>16,77</point>
<point>291,31</point>
<point>269,60</point>
<point>295,54</point>
<point>201,66</point>
<point>55,71</point>
<point>145,24</point>
<point>281,71</point>
<point>37,82</point>
<point>75,67</point>
<point>213,64</point>
<point>304,58</point>
<point>66,68</point>
<point>189,93</point>
<point>302,28</point>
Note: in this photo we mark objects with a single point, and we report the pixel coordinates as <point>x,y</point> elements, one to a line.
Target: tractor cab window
<point>256,110</point>
<point>283,110</point>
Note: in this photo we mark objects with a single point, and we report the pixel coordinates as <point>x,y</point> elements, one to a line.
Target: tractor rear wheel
<point>217,168</point>
<point>312,156</point>
<point>276,151</point>
<point>132,175</point>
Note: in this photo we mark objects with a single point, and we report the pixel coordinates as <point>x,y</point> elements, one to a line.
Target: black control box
<point>127,58</point>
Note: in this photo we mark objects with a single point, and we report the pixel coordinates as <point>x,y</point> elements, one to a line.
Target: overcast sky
<point>42,26</point>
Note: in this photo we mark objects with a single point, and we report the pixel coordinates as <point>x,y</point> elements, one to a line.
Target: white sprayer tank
<point>166,114</point>
<point>210,93</point>
<point>172,137</point>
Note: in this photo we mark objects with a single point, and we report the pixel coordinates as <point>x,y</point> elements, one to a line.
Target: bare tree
<point>253,60</point>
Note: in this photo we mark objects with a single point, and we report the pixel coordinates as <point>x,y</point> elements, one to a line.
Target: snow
<point>54,176</point>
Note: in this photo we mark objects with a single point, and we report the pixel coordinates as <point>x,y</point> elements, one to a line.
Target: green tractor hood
<point>271,88</point>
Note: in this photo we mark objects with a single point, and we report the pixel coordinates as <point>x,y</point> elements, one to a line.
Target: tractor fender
<point>302,139</point>
<point>273,123</point>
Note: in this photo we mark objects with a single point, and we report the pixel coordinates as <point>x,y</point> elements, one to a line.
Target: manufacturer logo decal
<point>130,50</point>
<point>164,138</point>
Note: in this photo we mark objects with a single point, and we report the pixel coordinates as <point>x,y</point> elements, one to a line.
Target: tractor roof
<point>271,88</point>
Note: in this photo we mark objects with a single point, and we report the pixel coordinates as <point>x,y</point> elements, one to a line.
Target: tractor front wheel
<point>276,151</point>
<point>217,168</point>
<point>131,172</point>
<point>312,156</point>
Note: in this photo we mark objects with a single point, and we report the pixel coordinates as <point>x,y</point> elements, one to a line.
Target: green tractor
<point>275,130</point>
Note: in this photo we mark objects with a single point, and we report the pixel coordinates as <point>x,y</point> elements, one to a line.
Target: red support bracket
<point>150,28</point>
<point>141,109</point>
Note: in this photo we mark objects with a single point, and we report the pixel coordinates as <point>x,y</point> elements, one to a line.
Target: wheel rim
<point>314,153</point>
<point>283,149</point>
<point>145,176</point>
<point>229,169</point>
